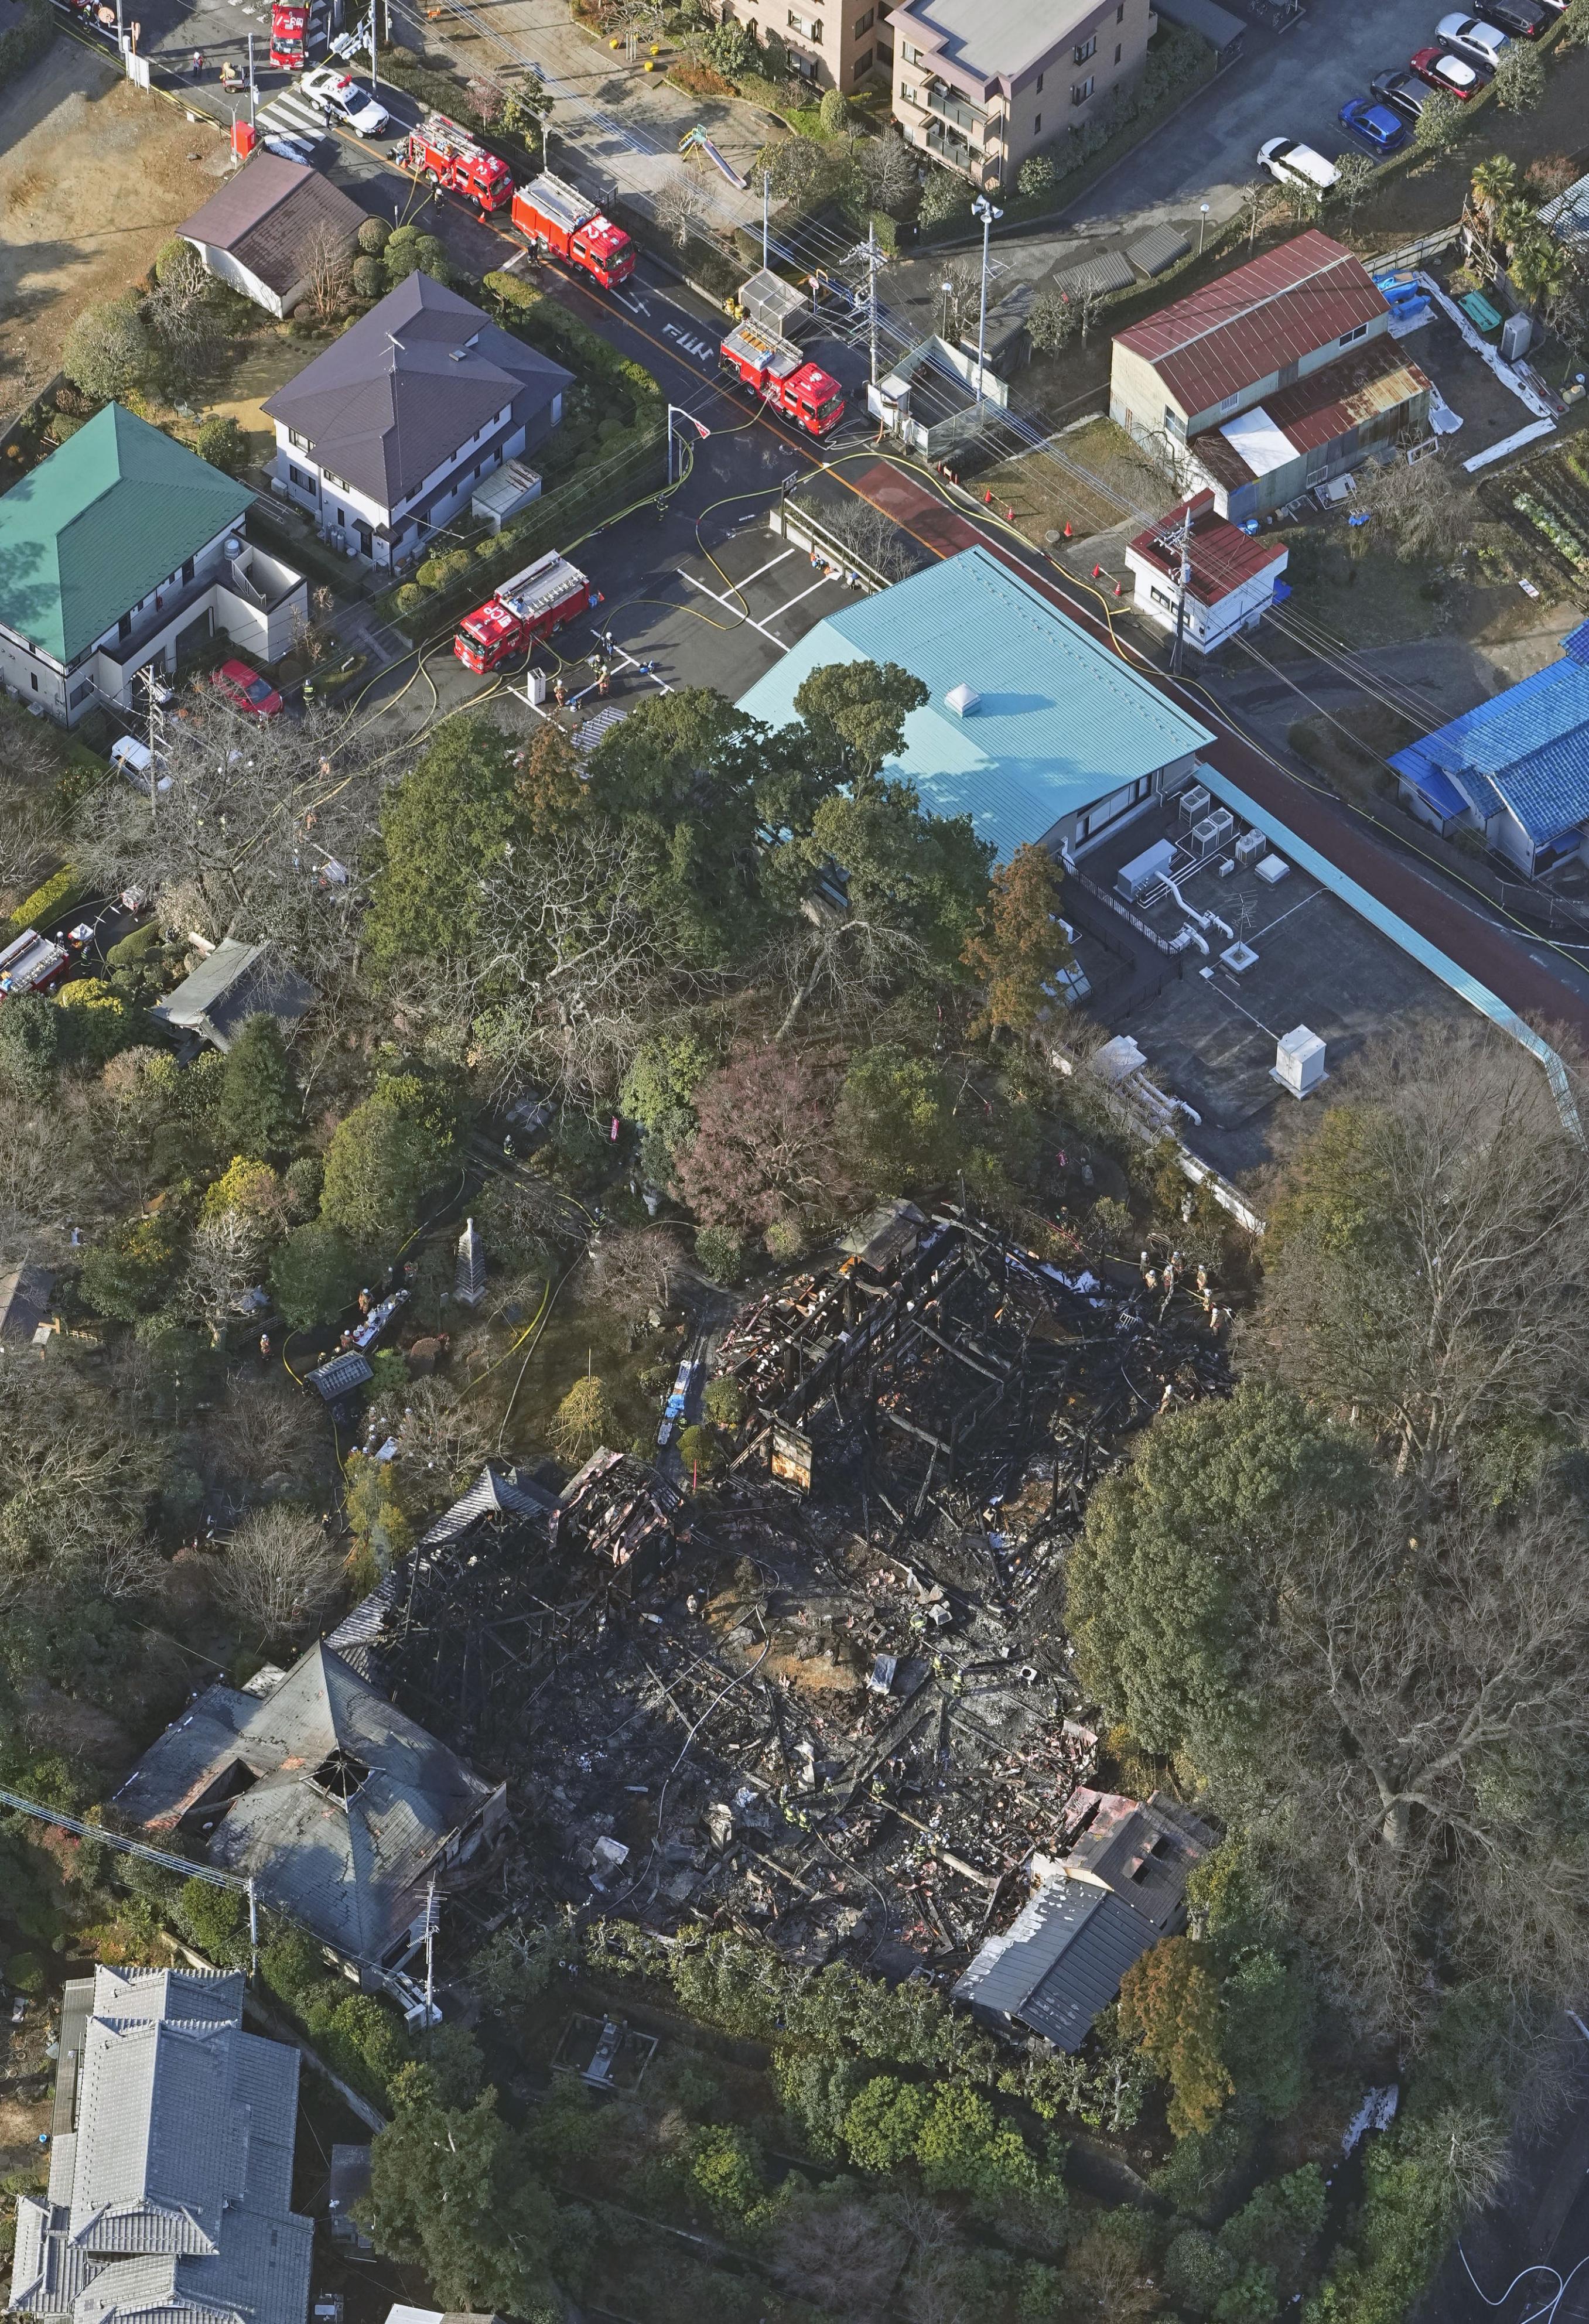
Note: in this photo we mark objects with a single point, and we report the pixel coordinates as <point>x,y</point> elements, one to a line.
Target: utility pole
<point>431,1919</point>
<point>874,255</point>
<point>252,92</point>
<point>1183,532</point>
<point>155,730</point>
<point>766,201</point>
<point>984,209</point>
<point>375,8</point>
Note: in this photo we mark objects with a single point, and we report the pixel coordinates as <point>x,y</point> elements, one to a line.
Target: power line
<point>206,1872</point>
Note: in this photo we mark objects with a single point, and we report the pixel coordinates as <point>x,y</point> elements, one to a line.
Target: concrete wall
<point>226,269</point>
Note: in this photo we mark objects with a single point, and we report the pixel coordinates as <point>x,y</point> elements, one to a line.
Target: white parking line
<point>811,592</point>
<point>645,669</point>
<point>749,619</point>
<point>771,561</point>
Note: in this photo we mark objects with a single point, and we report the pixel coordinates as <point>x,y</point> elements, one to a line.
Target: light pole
<point>1202,226</point>
<point>984,209</point>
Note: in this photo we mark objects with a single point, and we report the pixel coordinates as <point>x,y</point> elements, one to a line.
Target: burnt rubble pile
<point>840,1714</point>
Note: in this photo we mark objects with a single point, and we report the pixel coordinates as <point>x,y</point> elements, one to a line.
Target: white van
<point>134,760</point>
<point>1295,164</point>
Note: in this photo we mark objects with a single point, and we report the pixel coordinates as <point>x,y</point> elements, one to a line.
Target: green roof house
<point>125,551</point>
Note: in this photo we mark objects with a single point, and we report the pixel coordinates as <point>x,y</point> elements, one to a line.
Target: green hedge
<point>49,902</point>
<point>26,42</point>
<point>548,325</point>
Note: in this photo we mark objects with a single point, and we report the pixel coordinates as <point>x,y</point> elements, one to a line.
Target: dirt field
<point>94,177</point>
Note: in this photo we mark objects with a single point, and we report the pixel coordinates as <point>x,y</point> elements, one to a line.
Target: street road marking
<point>701,348</point>
<point>635,306</point>
<point>629,662</point>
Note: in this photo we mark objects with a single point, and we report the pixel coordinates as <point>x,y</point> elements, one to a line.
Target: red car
<point>245,690</point>
<point>1447,73</point>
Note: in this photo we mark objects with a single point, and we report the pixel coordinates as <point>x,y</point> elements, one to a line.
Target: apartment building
<point>831,44</point>
<point>980,84</point>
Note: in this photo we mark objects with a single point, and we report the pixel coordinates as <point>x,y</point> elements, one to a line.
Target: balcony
<point>951,149</point>
<point>965,118</point>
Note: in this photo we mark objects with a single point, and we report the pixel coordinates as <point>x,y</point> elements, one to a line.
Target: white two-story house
<point>386,437</point>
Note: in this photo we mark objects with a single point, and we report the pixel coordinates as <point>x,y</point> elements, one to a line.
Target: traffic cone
<point>1008,516</point>
<point>1117,588</point>
<point>1067,534</point>
<point>1098,573</point>
<point>987,497</point>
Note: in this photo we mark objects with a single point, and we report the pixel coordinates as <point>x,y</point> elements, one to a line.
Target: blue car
<point>1374,126</point>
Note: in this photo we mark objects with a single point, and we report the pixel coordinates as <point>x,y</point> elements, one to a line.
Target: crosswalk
<point>291,116</point>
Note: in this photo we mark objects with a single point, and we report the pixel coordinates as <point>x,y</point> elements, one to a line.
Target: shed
<point>267,230</point>
<point>1059,1963</point>
<point>25,1304</point>
<point>229,985</point>
<point>1224,33</point>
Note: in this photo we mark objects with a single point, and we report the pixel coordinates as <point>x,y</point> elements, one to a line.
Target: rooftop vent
<point>962,700</point>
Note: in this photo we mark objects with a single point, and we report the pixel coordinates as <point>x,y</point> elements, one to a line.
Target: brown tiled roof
<point>269,217</point>
<point>1275,310</point>
<point>1223,556</point>
<point>1371,379</point>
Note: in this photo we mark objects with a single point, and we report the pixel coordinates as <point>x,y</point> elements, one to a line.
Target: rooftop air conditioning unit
<point>1194,803</point>
<point>1299,1061</point>
<point>1250,847</point>
<point>1206,835</point>
<point>1223,823</point>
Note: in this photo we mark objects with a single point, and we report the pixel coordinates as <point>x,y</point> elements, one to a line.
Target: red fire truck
<point>561,224</point>
<point>298,35</point>
<point>533,604</point>
<point>776,370</point>
<point>32,964</point>
<point>449,156</point>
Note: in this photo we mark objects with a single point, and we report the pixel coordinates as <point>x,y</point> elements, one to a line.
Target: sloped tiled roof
<point>271,216</point>
<point>99,524</point>
<point>177,2171</point>
<point>350,1801</point>
<point>1238,329</point>
<point>1527,749</point>
<point>1223,557</point>
<point>1060,1962</point>
<point>395,396</point>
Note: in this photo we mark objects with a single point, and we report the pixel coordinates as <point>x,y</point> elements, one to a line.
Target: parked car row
<point>1464,55</point>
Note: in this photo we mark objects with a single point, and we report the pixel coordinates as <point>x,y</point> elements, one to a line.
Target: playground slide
<point>698,137</point>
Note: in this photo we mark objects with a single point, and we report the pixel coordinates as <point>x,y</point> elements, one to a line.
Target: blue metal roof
<point>1527,750</point>
<point>1061,722</point>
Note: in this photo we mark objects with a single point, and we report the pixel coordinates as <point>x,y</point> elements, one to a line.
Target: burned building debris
<point>829,1702</point>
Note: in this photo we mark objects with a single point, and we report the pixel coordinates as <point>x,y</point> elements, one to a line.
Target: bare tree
<point>872,537</point>
<point>842,961</point>
<point>959,300</point>
<point>683,208</point>
<point>260,817</point>
<point>327,262</point>
<point>1420,505</point>
<point>442,1443</point>
<point>223,1261</point>
<point>888,169</point>
<point>72,1478</point>
<point>839,2253</point>
<point>575,968</point>
<point>631,1270</point>
<point>1432,1261</point>
<point>1421,1680</point>
<point>276,1575</point>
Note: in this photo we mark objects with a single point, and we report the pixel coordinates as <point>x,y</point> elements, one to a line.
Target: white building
<point>121,552</point>
<point>384,437</point>
<point>1230,580</point>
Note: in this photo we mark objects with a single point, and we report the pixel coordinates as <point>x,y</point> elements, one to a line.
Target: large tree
<point>384,1156</point>
<point>446,831</point>
<point>1020,941</point>
<point>1427,1265</point>
<point>763,1150</point>
<point>451,2190</point>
